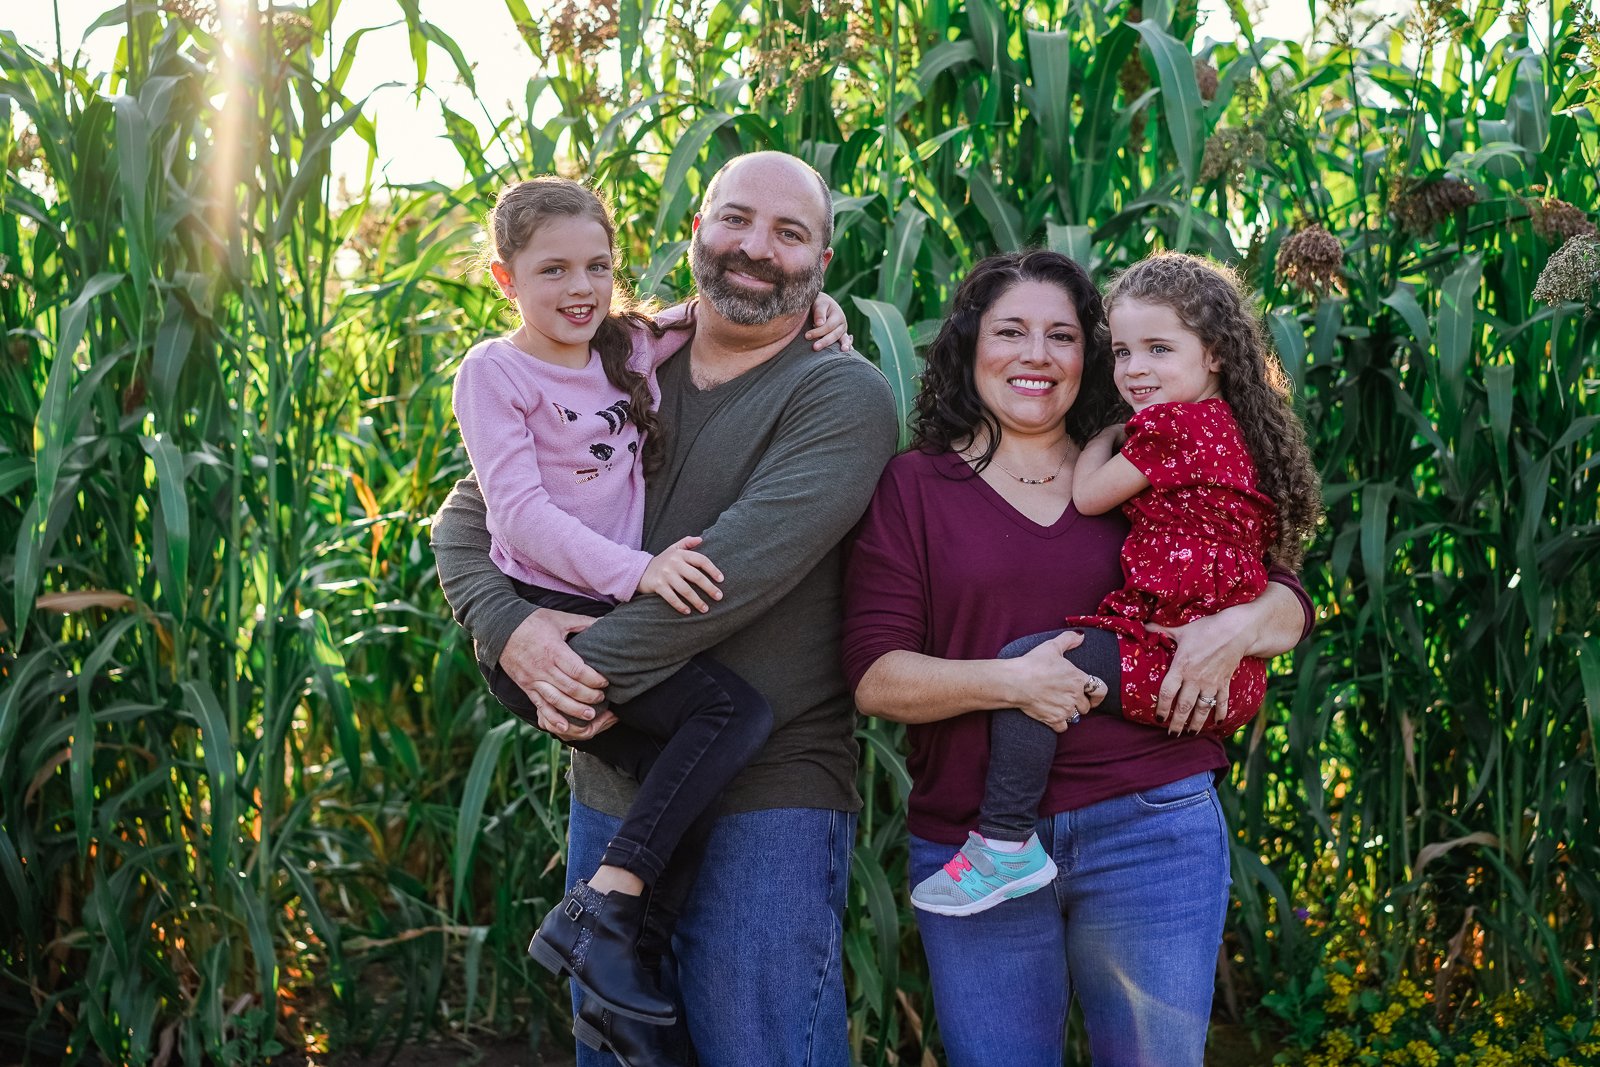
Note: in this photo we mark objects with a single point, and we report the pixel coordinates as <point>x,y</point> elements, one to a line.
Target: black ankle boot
<point>633,1043</point>
<point>591,937</point>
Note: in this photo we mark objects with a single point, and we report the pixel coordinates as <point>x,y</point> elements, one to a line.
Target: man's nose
<point>757,244</point>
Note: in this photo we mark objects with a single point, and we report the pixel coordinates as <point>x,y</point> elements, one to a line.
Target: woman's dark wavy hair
<point>518,212</point>
<point>1212,303</point>
<point>948,412</point>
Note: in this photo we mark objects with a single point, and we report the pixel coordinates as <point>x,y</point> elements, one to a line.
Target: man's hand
<point>555,678</point>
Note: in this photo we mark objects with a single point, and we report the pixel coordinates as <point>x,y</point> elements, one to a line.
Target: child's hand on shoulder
<point>679,575</point>
<point>829,325</point>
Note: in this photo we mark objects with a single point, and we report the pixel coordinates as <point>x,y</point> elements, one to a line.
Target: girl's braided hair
<point>1211,301</point>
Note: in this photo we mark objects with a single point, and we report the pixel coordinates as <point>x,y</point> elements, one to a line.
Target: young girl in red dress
<point>1214,475</point>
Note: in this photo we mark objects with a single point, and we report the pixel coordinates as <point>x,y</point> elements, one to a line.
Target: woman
<point>972,541</point>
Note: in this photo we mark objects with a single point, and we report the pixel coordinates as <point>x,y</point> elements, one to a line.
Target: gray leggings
<point>1021,748</point>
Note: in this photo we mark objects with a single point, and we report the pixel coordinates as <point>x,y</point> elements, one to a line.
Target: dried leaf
<point>1428,853</point>
<point>77,600</point>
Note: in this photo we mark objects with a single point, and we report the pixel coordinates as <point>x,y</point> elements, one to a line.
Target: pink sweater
<point>557,458</point>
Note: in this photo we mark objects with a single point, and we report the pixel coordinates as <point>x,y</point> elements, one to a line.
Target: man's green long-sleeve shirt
<point>772,469</point>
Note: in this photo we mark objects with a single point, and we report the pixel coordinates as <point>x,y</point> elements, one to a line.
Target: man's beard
<point>790,294</point>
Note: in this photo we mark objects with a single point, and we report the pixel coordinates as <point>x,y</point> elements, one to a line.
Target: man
<point>773,453</point>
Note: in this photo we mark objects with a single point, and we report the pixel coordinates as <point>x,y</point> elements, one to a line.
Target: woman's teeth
<point>1032,383</point>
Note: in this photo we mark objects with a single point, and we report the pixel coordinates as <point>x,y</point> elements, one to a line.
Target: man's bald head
<point>783,175</point>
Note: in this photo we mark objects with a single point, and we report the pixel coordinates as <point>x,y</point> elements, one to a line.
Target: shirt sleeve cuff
<point>492,636</point>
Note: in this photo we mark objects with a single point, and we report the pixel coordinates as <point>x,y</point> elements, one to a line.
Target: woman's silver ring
<point>1073,718</point>
<point>1091,687</point>
<point>1209,702</point>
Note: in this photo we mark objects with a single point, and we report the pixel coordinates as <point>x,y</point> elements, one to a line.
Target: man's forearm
<point>481,597</point>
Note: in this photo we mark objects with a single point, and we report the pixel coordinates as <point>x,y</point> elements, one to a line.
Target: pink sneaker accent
<point>958,865</point>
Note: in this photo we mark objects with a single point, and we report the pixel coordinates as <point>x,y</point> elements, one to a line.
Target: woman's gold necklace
<point>1034,481</point>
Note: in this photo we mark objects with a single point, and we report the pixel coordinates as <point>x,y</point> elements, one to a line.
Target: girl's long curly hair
<point>948,411</point>
<point>518,212</point>
<point>1211,301</point>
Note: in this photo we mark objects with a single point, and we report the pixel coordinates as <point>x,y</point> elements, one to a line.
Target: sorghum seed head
<point>1571,273</point>
<point>1311,260</point>
<point>1556,220</point>
<point>1420,206</point>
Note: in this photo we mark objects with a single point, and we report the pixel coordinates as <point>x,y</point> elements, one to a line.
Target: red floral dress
<point>1199,536</point>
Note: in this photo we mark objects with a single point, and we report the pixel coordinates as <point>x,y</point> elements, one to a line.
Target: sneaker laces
<point>971,857</point>
<point>958,866</point>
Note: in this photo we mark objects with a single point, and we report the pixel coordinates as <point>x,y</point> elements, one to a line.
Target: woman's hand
<point>1209,651</point>
<point>1210,648</point>
<point>1049,688</point>
<point>830,327</point>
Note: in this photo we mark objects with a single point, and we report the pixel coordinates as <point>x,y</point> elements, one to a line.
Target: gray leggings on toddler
<point>1021,748</point>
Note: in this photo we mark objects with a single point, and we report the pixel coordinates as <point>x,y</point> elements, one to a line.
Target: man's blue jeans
<point>1131,925</point>
<point>759,946</point>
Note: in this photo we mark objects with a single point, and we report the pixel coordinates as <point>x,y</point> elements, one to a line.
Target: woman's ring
<point>1091,687</point>
<point>1073,718</point>
<point>1209,702</point>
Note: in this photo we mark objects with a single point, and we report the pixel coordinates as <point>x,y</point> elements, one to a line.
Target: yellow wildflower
<point>1423,1054</point>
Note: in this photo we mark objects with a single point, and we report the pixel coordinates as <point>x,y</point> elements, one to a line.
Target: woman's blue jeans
<point>1131,926</point>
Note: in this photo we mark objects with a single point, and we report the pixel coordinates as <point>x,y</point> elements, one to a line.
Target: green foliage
<point>253,792</point>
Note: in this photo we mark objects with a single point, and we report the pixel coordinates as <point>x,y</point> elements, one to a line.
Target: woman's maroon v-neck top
<point>942,565</point>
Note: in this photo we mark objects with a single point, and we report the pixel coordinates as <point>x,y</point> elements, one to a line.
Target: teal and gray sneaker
<point>978,878</point>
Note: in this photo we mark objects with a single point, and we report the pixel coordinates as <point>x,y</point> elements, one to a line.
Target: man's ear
<point>827,257</point>
<point>694,227</point>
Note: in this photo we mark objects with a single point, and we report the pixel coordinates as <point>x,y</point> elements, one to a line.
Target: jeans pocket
<point>1185,792</point>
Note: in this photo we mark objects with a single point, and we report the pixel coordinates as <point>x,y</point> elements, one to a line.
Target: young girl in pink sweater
<point>559,422</point>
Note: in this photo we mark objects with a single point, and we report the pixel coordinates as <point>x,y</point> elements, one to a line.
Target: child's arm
<point>830,326</point>
<point>1103,480</point>
<point>494,427</point>
<point>674,574</point>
